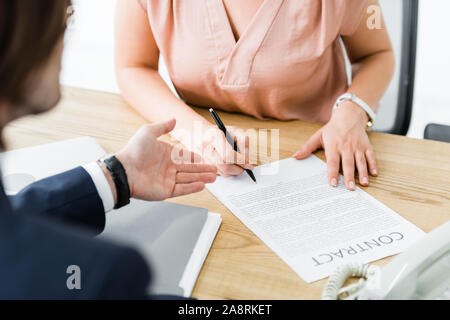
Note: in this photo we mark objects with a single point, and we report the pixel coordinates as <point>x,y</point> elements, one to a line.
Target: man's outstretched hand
<point>157,171</point>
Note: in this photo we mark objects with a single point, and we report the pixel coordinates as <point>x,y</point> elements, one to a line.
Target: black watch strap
<point>119,176</point>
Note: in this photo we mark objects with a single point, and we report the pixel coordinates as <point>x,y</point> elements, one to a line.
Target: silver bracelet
<point>359,102</point>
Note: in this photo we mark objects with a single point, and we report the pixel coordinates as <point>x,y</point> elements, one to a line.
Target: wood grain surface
<point>414,181</point>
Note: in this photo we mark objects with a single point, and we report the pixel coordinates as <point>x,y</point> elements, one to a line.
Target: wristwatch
<point>359,102</point>
<point>120,179</point>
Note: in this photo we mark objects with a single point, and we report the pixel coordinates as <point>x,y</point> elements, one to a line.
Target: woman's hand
<point>157,171</point>
<point>345,141</point>
<point>216,150</point>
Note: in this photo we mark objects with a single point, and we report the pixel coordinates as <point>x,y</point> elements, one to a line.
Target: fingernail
<point>365,181</point>
<point>334,182</point>
<point>374,171</point>
<point>351,185</point>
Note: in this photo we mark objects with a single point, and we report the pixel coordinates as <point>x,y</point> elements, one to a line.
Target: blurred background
<point>88,60</point>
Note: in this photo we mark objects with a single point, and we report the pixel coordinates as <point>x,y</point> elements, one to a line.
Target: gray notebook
<point>174,239</point>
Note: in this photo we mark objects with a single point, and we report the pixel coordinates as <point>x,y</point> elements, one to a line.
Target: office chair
<point>394,115</point>
<point>437,132</point>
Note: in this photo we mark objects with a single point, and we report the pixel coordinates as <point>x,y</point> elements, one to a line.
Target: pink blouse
<point>288,64</point>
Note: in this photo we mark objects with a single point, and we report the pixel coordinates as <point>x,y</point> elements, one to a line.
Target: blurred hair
<point>29,32</point>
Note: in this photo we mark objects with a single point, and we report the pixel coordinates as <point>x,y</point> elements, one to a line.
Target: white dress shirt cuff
<point>102,185</point>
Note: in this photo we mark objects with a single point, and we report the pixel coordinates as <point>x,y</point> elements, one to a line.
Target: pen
<point>229,138</point>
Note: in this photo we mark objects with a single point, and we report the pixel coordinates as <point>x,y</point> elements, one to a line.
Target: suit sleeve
<point>127,278</point>
<point>70,197</point>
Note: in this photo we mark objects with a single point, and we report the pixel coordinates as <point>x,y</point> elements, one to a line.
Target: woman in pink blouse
<point>280,59</point>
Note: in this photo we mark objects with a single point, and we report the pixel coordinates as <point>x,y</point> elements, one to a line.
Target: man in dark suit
<point>47,248</point>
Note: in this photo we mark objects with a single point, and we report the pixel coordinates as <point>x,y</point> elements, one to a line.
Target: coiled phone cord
<point>333,288</point>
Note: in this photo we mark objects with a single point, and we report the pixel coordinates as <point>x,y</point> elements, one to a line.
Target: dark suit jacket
<point>48,227</point>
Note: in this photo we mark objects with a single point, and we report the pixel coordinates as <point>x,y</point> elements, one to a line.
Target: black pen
<point>229,138</point>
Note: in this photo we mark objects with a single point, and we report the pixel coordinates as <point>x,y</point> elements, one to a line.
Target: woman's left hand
<point>345,140</point>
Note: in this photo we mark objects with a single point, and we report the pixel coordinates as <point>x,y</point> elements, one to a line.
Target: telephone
<point>420,273</point>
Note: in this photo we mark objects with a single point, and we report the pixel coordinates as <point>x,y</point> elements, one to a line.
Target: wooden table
<point>414,181</point>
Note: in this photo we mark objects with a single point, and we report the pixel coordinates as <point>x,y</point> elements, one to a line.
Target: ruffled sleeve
<point>143,4</point>
<point>352,11</point>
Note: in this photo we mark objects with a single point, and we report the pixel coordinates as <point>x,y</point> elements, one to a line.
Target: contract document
<point>312,226</point>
